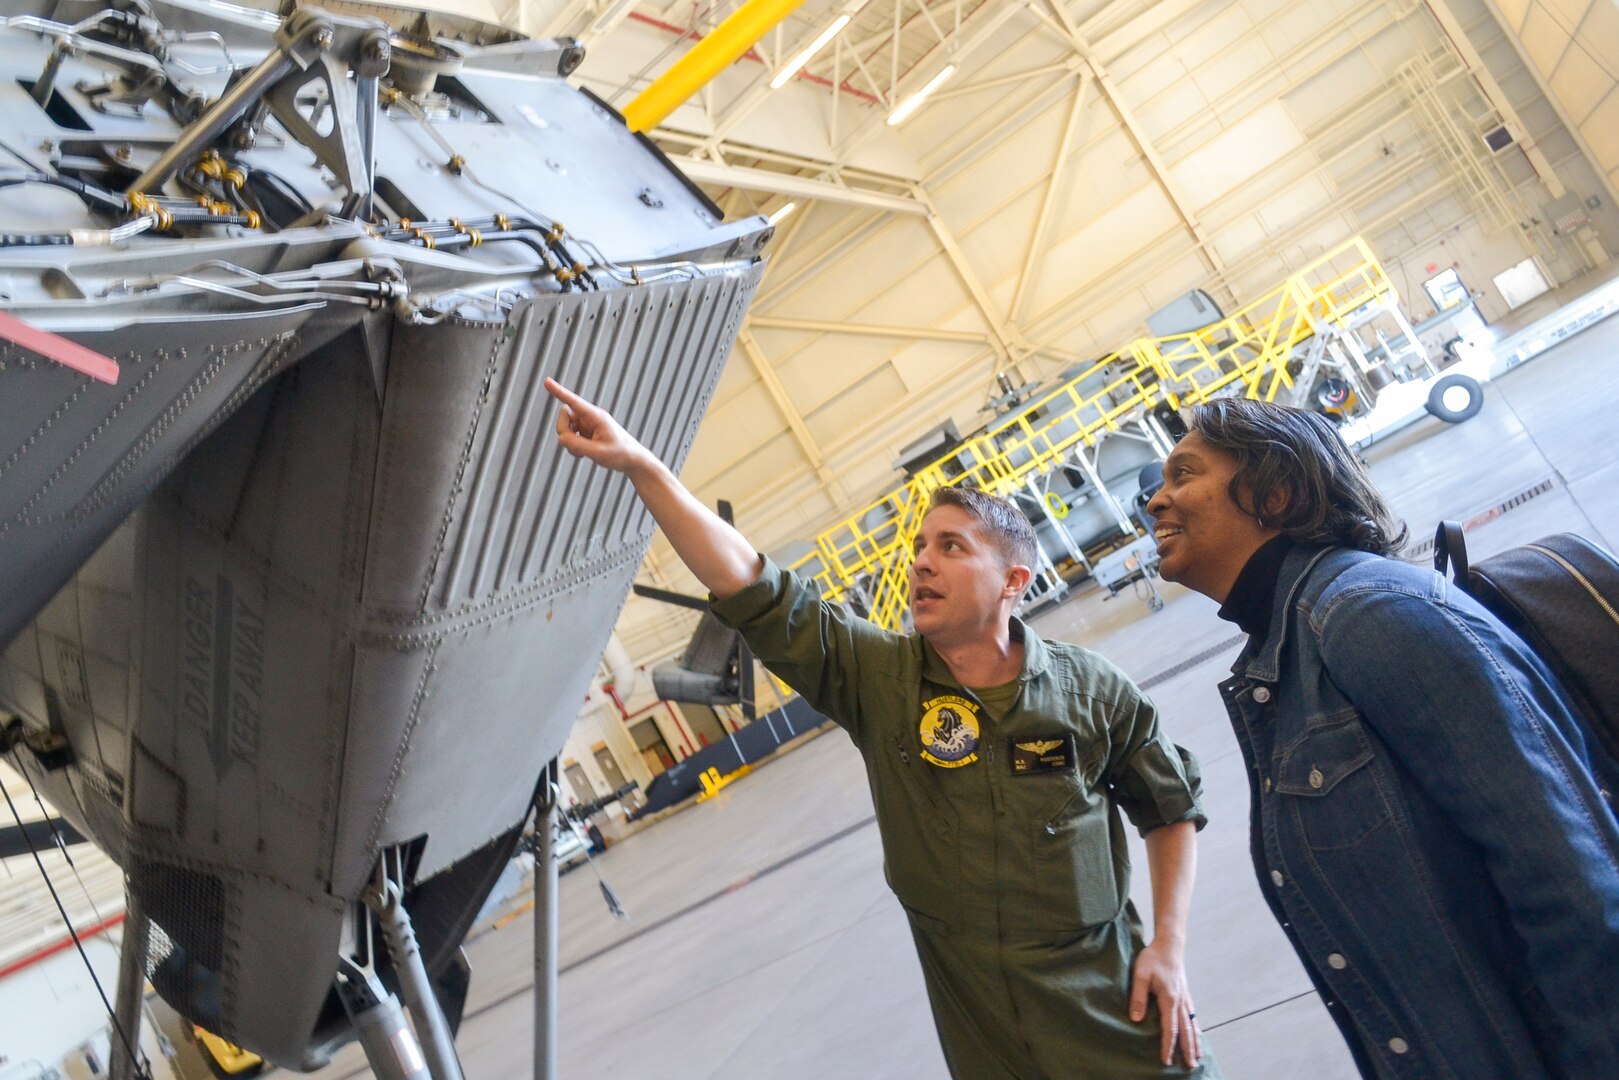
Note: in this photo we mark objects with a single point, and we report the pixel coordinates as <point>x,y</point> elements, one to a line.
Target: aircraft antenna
<point>145,1066</point>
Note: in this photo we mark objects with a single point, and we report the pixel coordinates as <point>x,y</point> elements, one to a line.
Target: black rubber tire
<point>1475,401</point>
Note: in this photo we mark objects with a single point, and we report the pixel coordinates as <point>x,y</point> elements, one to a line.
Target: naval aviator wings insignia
<point>1042,754</point>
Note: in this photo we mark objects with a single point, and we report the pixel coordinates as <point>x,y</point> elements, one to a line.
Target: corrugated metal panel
<point>648,355</point>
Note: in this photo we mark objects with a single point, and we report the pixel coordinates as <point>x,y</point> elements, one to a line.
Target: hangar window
<point>1445,289</point>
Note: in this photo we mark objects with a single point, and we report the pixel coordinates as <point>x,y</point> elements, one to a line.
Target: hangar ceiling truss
<point>1062,182</point>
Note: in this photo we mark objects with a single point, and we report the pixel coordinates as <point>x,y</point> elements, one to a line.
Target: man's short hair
<point>1009,529</point>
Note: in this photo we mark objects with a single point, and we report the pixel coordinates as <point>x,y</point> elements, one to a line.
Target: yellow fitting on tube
<point>710,56</point>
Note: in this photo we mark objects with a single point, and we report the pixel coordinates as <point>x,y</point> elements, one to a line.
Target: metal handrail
<point>1246,352</point>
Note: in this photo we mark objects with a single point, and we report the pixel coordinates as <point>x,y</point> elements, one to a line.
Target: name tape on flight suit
<point>1042,753</point>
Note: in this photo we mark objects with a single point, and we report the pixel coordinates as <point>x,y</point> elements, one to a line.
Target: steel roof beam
<point>797,187</point>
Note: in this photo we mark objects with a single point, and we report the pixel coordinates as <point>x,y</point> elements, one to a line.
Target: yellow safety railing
<point>1247,352</point>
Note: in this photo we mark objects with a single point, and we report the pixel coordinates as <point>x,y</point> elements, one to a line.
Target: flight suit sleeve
<point>1155,782</point>
<point>821,650</point>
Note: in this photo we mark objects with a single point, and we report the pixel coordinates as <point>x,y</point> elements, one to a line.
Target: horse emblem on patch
<point>950,731</point>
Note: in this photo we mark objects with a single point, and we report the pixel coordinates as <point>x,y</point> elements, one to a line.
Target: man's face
<point>958,577</point>
<point>1204,538</point>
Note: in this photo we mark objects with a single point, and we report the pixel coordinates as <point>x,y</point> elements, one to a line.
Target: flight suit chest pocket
<point>1064,831</point>
<point>1327,786</point>
<point>920,844</point>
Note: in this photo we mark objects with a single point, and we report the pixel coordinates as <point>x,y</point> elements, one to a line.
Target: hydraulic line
<point>385,898</point>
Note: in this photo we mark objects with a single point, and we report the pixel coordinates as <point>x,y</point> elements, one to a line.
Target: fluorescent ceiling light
<point>914,102</point>
<point>807,53</point>
<point>612,16</point>
<point>782,212</point>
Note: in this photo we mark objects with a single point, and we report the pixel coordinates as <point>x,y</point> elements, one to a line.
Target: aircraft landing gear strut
<point>545,927</point>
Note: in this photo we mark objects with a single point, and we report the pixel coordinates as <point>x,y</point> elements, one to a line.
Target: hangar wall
<point>1278,129</point>
<point>1572,46</point>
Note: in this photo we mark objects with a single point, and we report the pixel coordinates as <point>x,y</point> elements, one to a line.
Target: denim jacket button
<point>1276,876</point>
<point>1316,779</point>
<point>1399,1045</point>
<point>1336,961</point>
<point>1261,694</point>
<point>1267,785</point>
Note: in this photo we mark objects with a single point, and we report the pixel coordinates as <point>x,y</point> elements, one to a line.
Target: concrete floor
<point>763,943</point>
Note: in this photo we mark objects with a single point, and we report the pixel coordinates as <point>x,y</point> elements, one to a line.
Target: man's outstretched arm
<point>720,557</point>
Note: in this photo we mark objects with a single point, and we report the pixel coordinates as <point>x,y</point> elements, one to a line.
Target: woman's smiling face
<point>1204,538</point>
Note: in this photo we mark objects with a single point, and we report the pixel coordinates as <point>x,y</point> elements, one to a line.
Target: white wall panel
<point>1172,280</point>
<point>1242,65</point>
<point>1174,104</point>
<point>748,419</point>
<point>735,377</point>
<point>1574,47</point>
<point>849,409</point>
<point>1605,118</point>
<point>1278,120</point>
<point>1100,245</point>
<point>921,365</point>
<point>1581,82</point>
<point>830,365</point>
<point>1238,155</point>
<point>1544,36</point>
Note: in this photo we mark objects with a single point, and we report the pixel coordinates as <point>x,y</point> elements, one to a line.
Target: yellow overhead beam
<point>710,56</point>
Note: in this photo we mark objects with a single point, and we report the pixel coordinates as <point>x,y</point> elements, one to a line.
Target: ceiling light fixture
<point>807,53</point>
<point>914,102</point>
<point>781,212</point>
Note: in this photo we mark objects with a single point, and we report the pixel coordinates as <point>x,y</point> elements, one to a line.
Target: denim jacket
<point>1427,829</point>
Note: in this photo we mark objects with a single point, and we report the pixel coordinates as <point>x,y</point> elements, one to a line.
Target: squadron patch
<point>950,731</point>
<point>1046,753</point>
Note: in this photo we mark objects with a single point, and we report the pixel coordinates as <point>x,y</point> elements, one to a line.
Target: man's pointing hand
<point>587,431</point>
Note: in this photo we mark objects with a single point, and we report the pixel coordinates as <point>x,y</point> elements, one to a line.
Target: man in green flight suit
<point>998,763</point>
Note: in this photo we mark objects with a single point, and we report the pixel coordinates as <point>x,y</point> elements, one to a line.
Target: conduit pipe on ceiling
<point>706,59</point>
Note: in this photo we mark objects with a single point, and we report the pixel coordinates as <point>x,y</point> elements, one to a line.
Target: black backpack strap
<point>1450,551</point>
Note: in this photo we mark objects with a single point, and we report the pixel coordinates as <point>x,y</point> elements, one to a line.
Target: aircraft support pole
<point>131,992</point>
<point>390,1046</point>
<point>545,927</point>
<point>437,1043</point>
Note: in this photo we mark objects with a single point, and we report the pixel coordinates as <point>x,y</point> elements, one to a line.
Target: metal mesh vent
<point>186,959</point>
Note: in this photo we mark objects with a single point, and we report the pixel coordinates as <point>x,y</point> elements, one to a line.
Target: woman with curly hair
<point>1428,823</point>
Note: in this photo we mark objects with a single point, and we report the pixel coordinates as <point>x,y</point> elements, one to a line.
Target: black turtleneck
<point>1254,592</point>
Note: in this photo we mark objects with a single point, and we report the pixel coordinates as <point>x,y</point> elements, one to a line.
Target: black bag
<point>1561,596</point>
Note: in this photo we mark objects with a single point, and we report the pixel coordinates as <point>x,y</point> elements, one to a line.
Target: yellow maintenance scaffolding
<point>1248,352</point>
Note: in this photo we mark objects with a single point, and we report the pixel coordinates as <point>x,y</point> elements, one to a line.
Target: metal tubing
<point>366,92</point>
<point>390,1048</point>
<point>213,122</point>
<point>47,78</point>
<point>545,929</point>
<point>126,1035</point>
<point>713,54</point>
<point>437,1044</point>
